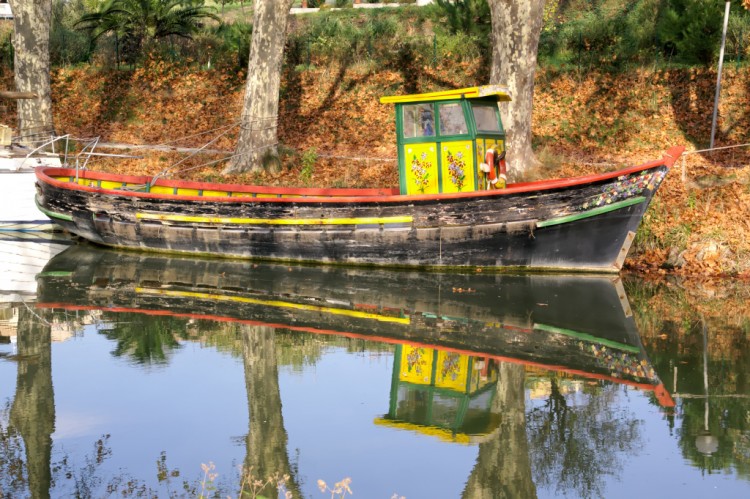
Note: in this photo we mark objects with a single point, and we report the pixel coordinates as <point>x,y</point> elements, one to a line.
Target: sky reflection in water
<point>529,419</point>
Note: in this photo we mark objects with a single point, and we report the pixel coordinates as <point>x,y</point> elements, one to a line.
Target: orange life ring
<point>494,162</point>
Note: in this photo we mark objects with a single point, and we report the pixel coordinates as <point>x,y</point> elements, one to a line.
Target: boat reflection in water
<point>450,331</point>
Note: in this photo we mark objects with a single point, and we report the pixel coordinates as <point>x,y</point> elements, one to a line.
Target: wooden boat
<point>578,324</point>
<point>442,215</point>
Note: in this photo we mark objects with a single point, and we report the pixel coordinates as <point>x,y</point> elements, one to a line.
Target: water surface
<point>126,374</point>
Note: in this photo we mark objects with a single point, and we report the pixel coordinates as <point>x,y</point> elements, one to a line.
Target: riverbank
<point>334,132</point>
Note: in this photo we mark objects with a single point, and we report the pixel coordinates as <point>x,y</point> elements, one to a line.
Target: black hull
<point>583,224</point>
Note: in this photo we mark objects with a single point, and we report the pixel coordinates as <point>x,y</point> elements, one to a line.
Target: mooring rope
<point>166,171</point>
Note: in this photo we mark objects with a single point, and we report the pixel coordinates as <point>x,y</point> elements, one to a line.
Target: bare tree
<point>516,26</point>
<point>31,23</point>
<point>258,141</point>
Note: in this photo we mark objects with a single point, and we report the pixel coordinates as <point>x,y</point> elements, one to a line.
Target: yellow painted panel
<point>452,371</point>
<point>457,160</point>
<point>111,185</point>
<point>187,192</point>
<point>421,168</point>
<point>416,365</point>
<point>215,194</point>
<point>157,189</point>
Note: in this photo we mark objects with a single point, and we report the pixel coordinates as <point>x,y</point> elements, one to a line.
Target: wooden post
<point>718,76</point>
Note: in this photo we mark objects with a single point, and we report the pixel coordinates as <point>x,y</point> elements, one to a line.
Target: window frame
<point>498,118</point>
<point>438,136</point>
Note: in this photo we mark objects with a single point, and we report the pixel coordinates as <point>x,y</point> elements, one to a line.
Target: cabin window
<point>452,120</point>
<point>419,121</point>
<point>486,118</point>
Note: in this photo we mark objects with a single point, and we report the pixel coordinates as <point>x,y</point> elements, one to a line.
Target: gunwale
<point>254,194</point>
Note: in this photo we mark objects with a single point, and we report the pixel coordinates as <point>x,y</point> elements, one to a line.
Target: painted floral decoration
<point>620,364</point>
<point>626,187</point>
<point>415,360</point>
<point>450,368</point>
<point>419,169</point>
<point>457,169</point>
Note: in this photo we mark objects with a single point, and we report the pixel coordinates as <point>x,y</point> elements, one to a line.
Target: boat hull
<point>582,224</point>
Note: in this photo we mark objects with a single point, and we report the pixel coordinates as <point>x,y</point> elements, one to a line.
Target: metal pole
<point>718,76</point>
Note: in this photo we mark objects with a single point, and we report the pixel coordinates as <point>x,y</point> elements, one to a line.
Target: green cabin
<point>443,136</point>
<point>446,394</point>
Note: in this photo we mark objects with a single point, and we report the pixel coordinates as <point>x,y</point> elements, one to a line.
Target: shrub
<point>66,45</point>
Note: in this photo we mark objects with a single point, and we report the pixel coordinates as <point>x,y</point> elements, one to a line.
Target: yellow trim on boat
<point>499,91</point>
<point>274,303</point>
<point>443,434</point>
<point>275,221</point>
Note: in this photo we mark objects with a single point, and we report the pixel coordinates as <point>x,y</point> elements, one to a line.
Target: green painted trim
<point>401,150</point>
<point>52,214</point>
<point>587,337</point>
<point>591,213</point>
<point>439,158</point>
<point>393,402</point>
<point>52,273</point>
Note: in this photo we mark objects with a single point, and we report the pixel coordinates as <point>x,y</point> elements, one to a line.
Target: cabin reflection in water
<point>442,393</point>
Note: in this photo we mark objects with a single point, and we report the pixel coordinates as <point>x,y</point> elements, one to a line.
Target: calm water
<point>124,374</point>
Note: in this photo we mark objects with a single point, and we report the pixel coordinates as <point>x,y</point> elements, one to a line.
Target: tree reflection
<point>503,467</point>
<point>32,414</point>
<point>696,335</point>
<point>145,339</point>
<point>574,443</point>
<point>266,440</point>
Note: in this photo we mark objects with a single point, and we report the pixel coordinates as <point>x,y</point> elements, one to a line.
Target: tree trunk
<point>516,25</point>
<point>266,437</point>
<point>503,468</point>
<point>31,23</point>
<point>258,136</point>
<point>33,409</point>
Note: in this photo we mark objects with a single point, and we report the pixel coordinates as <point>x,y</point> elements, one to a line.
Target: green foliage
<point>738,36</point>
<point>347,35</point>
<point>577,34</point>
<point>691,30</point>
<point>612,33</point>
<point>143,339</point>
<point>6,52</point>
<point>470,17</point>
<point>605,33</point>
<point>309,158</point>
<point>234,42</point>
<point>136,23</point>
<point>67,45</point>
